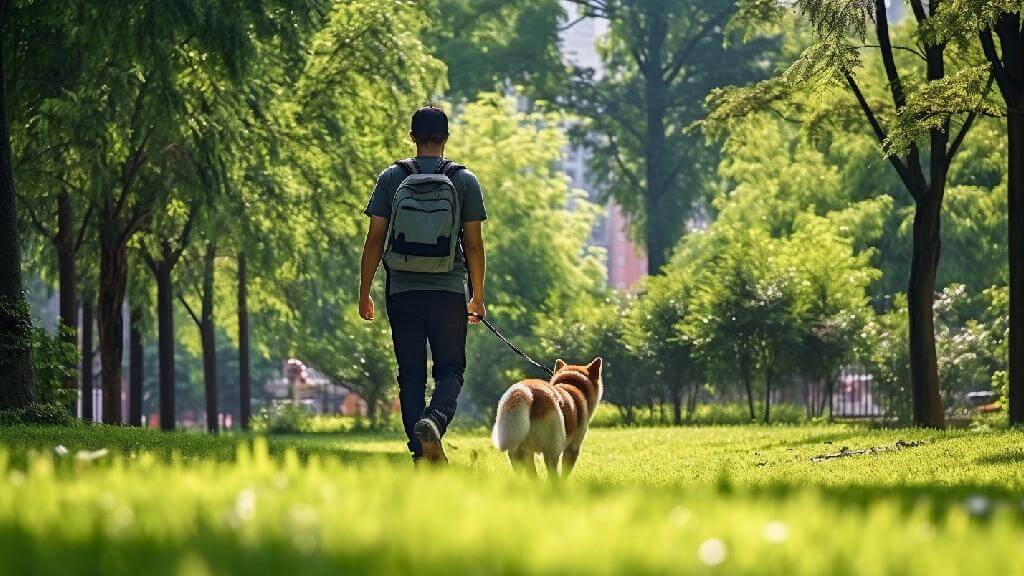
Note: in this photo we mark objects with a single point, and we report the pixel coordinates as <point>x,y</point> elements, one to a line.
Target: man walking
<point>425,226</point>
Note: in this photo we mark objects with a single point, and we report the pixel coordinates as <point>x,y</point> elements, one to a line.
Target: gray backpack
<point>426,220</point>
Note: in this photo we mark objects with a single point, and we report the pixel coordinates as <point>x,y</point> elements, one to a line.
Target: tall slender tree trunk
<point>165,343</point>
<point>110,321</point>
<point>135,366</point>
<point>244,374</point>
<point>17,386</point>
<point>691,401</point>
<point>1007,62</point>
<point>750,395</point>
<point>1015,222</point>
<point>677,405</point>
<point>64,246</point>
<point>654,148</point>
<point>208,337</point>
<point>924,375</point>
<point>87,348</point>
<point>767,393</point>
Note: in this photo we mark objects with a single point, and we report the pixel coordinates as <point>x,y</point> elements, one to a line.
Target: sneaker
<point>429,435</point>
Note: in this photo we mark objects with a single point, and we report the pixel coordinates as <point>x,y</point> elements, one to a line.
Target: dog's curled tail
<point>512,423</point>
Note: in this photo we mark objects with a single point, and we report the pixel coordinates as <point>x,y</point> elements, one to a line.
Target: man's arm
<point>373,249</point>
<point>476,261</point>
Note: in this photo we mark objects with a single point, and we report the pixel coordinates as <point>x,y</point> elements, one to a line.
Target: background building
<point>626,263</point>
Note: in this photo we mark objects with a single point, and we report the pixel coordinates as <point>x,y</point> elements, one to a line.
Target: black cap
<point>430,121</point>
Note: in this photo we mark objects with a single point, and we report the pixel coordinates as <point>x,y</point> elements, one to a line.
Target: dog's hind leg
<point>551,458</point>
<point>569,460</point>
<point>522,461</point>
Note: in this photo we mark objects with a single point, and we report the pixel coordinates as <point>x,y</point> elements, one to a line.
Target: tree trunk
<point>207,334</point>
<point>767,393</point>
<point>924,373</point>
<point>677,405</point>
<point>87,346</point>
<point>1015,249</point>
<point>165,343</point>
<point>135,367</point>
<point>655,227</point>
<point>64,246</point>
<point>17,386</point>
<point>244,377</point>
<point>691,401</point>
<point>750,396</point>
<point>110,321</point>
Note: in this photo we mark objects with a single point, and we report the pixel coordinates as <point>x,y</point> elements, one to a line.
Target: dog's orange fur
<point>558,411</point>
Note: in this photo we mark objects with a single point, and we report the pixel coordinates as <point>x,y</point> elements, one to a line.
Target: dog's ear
<point>559,364</point>
<point>594,368</point>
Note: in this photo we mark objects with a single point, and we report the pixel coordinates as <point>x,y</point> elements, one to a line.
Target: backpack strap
<point>409,165</point>
<point>448,168</point>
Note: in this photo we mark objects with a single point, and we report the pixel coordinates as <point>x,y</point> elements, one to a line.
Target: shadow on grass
<point>1002,458</point>
<point>19,441</point>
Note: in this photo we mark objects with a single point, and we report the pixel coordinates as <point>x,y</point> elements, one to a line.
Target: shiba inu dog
<point>549,418</point>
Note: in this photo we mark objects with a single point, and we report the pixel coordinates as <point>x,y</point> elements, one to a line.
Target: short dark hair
<point>429,125</point>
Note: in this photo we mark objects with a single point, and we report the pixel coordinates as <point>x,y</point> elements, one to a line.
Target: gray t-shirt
<point>473,210</point>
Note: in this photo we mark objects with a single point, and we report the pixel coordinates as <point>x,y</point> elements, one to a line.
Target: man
<point>439,206</point>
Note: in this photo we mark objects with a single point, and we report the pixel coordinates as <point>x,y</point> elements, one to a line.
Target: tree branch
<point>955,145</point>
<point>901,169</point>
<point>988,46</point>
<point>633,180</point>
<point>39,225</point>
<point>183,238</point>
<point>913,51</point>
<point>189,310</point>
<point>899,97</point>
<point>918,9</point>
<point>682,55</point>
<point>84,226</point>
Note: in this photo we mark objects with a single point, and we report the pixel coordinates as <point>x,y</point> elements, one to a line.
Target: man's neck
<point>429,151</point>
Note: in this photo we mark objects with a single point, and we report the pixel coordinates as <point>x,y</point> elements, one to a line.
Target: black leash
<point>546,370</point>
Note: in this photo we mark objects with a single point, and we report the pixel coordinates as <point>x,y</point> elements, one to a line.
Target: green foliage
<point>652,86</point>
<point>721,414</point>
<point>56,359</point>
<point>487,45</point>
<point>537,260</point>
<point>716,498</point>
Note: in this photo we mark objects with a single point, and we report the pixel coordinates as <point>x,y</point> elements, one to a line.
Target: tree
<point>661,60</point>
<point>744,320</point>
<point>537,260</point>
<point>50,194</point>
<point>17,386</point>
<point>997,28</point>
<point>490,44</point>
<point>834,60</point>
<point>652,336</point>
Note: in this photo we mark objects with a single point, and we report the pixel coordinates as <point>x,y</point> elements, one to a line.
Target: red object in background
<point>627,263</point>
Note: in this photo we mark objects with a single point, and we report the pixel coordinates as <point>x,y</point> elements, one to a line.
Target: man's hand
<point>476,310</point>
<point>366,307</point>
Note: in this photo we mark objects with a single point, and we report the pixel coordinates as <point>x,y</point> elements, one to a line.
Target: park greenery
<point>825,195</point>
<point>192,175</point>
<point>741,500</point>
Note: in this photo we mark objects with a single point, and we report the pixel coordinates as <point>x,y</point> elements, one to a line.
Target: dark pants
<point>437,317</point>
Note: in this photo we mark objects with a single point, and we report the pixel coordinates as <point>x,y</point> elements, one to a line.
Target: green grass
<point>744,500</point>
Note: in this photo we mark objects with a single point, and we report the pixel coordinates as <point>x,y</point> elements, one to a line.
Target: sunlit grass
<point>734,500</point>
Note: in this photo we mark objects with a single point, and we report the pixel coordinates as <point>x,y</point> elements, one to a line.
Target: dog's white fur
<point>533,417</point>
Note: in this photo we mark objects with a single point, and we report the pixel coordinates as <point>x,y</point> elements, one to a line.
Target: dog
<point>549,418</point>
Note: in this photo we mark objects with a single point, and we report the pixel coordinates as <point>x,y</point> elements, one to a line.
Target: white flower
<point>60,450</point>
<point>978,505</point>
<point>245,504</point>
<point>89,456</point>
<point>712,552</point>
<point>679,516</point>
<point>775,532</point>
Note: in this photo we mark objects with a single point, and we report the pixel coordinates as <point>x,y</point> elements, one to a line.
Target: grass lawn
<point>745,500</point>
